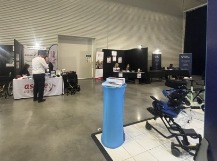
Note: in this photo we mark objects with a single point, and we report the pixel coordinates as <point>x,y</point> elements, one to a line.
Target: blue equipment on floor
<point>113,134</point>
<point>194,96</point>
<point>167,112</point>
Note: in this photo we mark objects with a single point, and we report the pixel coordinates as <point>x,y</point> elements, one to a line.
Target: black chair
<point>6,85</point>
<point>3,89</point>
<point>177,74</point>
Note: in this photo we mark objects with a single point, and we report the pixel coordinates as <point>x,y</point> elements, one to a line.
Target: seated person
<point>170,67</point>
<point>116,68</point>
<point>25,71</point>
<point>128,67</point>
<point>50,65</point>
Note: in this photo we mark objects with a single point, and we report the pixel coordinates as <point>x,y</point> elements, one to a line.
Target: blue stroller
<point>167,112</point>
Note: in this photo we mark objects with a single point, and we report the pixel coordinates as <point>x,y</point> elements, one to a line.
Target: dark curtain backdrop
<point>6,56</point>
<point>210,127</point>
<point>18,57</point>
<point>108,67</point>
<point>137,58</point>
<point>195,38</point>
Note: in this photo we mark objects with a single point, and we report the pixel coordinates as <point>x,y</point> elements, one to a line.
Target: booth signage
<point>185,61</point>
<point>99,64</point>
<point>156,61</point>
<point>53,55</point>
<point>23,88</point>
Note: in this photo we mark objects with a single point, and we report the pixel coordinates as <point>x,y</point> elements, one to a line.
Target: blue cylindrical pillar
<point>113,104</point>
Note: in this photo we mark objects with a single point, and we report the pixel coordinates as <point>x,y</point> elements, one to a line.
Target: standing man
<point>38,70</point>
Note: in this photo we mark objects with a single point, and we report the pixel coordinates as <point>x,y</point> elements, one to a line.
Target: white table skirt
<point>23,88</point>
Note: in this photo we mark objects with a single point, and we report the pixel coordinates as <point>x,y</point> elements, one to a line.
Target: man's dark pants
<point>38,90</point>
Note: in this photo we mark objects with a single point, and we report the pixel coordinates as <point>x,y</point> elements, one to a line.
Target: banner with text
<point>185,61</point>
<point>23,88</point>
<point>99,64</point>
<point>52,55</point>
<point>29,54</point>
<point>156,61</point>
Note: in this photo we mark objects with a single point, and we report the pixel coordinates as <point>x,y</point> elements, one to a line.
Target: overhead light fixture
<point>37,45</point>
<point>157,51</point>
<point>140,46</point>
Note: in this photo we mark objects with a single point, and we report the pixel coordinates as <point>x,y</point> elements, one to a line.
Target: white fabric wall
<point>116,24</point>
<point>72,57</point>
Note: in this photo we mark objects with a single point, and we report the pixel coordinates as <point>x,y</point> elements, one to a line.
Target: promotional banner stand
<point>185,61</point>
<point>156,60</point>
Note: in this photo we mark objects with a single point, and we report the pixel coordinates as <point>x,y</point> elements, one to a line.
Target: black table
<point>131,76</point>
<point>160,74</point>
<point>177,73</point>
<point>167,74</point>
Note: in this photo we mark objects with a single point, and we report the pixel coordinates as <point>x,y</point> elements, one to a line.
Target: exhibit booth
<point>136,58</point>
<point>14,58</point>
<point>23,88</point>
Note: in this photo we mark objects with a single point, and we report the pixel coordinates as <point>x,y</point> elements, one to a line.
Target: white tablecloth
<point>23,88</point>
